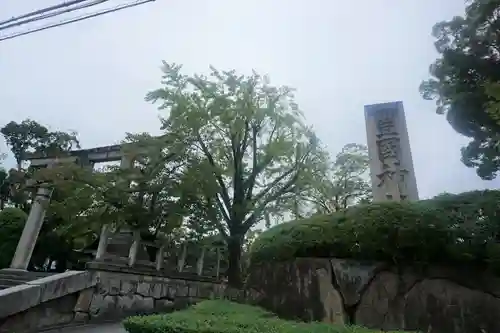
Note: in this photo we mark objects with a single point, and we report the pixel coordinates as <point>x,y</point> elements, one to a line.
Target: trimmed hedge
<point>227,308</point>
<point>449,229</point>
<point>227,317</point>
<point>11,227</point>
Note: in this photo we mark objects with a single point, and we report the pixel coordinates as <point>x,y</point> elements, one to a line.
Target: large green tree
<point>24,138</point>
<point>30,136</point>
<point>469,62</point>
<point>250,143</point>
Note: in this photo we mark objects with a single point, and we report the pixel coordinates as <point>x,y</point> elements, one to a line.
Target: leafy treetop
<point>469,63</point>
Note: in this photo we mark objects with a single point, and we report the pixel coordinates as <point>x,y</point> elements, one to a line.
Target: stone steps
<point>6,283</point>
<point>13,277</point>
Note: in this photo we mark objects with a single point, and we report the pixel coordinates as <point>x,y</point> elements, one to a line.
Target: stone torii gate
<point>33,225</point>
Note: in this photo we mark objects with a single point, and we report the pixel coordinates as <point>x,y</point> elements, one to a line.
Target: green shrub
<point>462,228</point>
<point>225,308</point>
<point>12,216</point>
<point>227,317</point>
<point>11,226</point>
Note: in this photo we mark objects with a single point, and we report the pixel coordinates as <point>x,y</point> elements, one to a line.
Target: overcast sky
<point>340,55</point>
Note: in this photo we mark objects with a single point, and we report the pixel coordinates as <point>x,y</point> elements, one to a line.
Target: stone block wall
<point>118,295</point>
<point>375,295</point>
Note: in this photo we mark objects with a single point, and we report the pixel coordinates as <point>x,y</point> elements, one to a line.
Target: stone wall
<point>118,295</point>
<point>432,300</point>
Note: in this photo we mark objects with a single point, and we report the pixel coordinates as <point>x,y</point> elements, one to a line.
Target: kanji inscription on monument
<point>391,165</point>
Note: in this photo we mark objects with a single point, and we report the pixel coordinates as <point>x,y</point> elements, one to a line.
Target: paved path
<point>98,328</point>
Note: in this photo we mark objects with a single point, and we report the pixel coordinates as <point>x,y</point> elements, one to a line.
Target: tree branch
<point>223,210</point>
<point>258,211</point>
<point>213,217</point>
<point>218,176</point>
<point>256,167</point>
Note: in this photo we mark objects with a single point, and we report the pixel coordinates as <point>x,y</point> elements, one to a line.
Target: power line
<point>76,19</point>
<point>41,11</point>
<point>42,17</point>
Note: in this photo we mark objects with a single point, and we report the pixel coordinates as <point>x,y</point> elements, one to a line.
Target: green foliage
<point>461,80</point>
<point>31,137</point>
<point>344,183</point>
<point>144,196</point>
<point>225,308</point>
<point>11,226</point>
<point>4,187</point>
<point>227,317</point>
<point>450,229</point>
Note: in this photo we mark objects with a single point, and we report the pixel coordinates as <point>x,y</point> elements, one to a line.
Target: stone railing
<point>43,302</point>
<point>126,249</point>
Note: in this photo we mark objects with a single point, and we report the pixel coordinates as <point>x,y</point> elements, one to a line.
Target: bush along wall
<point>11,227</point>
<point>225,317</point>
<point>448,229</point>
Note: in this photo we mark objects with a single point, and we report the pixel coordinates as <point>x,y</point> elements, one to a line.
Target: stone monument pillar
<point>391,164</point>
<point>31,229</point>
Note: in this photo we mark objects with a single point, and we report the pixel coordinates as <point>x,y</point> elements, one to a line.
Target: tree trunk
<point>234,246</point>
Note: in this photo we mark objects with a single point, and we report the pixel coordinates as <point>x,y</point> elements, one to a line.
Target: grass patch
<point>227,317</point>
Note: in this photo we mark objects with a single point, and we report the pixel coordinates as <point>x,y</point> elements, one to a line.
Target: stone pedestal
<point>391,165</point>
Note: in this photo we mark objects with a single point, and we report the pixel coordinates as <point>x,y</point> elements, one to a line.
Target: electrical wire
<point>42,17</point>
<point>41,11</point>
<point>76,19</point>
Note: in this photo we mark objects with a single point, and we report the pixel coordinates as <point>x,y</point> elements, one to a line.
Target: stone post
<point>201,260</point>
<point>84,161</point>
<point>160,257</point>
<point>391,165</point>
<point>126,162</point>
<point>182,259</point>
<point>103,242</point>
<point>217,268</point>
<point>132,255</point>
<point>31,229</point>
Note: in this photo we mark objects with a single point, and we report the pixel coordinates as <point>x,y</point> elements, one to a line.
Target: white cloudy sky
<point>340,55</point>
